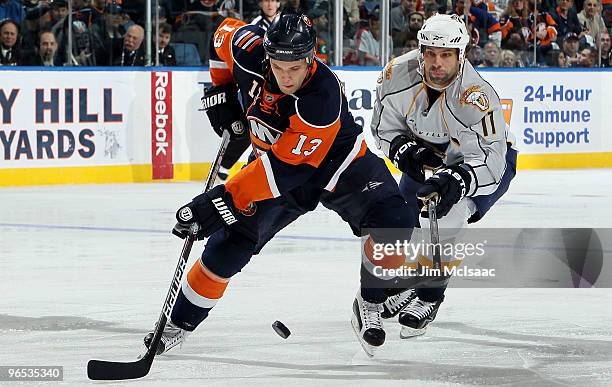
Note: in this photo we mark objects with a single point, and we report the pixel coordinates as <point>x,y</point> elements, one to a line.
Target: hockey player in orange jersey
<point>307,149</point>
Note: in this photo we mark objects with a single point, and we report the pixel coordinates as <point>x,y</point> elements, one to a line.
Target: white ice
<point>84,270</point>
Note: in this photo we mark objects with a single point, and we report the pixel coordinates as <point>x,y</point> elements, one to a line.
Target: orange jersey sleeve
<point>221,60</point>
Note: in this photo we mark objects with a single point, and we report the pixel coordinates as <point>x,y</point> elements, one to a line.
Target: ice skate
<point>171,337</point>
<point>397,303</point>
<point>416,316</point>
<point>367,324</point>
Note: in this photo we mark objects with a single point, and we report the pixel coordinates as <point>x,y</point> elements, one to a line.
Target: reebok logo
<point>161,125</point>
<point>225,212</point>
<point>161,118</point>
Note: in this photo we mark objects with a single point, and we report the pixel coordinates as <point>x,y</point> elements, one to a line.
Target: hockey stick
<point>112,370</point>
<point>433,224</point>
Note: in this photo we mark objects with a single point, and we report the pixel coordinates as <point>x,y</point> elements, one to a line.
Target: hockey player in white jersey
<point>433,110</point>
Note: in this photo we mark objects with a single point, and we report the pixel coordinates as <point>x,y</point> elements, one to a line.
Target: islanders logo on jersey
<point>473,96</point>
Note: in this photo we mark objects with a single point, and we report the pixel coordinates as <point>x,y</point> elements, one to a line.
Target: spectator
<point>34,9</point>
<point>10,52</point>
<point>399,16</point>
<point>166,54</point>
<point>508,59</point>
<point>268,9</point>
<point>98,8</point>
<point>518,31</point>
<point>567,19</point>
<point>515,25</point>
<point>410,44</point>
<point>474,55</point>
<point>556,58</point>
<point>546,6</point>
<point>351,9</point>
<point>430,8</point>
<point>491,55</point>
<point>297,6</point>
<point>368,46</point>
<point>415,22</point>
<point>605,45</point>
<point>321,26</point>
<point>132,51</point>
<point>479,17</point>
<point>591,20</point>
<point>587,57</point>
<point>57,13</point>
<point>570,49</point>
<point>12,9</point>
<point>86,45</point>
<point>46,54</point>
<point>562,60</point>
<point>83,12</point>
<point>109,33</point>
<point>227,8</point>
<point>545,33</point>
<point>349,45</point>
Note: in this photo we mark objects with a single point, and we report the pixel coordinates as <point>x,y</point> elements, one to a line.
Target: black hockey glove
<point>224,111</point>
<point>211,211</point>
<point>450,183</point>
<point>410,157</point>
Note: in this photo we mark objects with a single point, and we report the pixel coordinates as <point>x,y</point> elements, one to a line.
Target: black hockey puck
<point>281,329</point>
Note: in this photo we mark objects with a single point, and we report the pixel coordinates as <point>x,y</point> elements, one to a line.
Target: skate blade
<point>408,332</point>
<point>367,348</point>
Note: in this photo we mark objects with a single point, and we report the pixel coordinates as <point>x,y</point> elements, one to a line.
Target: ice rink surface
<point>84,271</point>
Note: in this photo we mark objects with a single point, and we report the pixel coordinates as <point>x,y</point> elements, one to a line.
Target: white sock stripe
<point>270,175</point>
<point>196,299</point>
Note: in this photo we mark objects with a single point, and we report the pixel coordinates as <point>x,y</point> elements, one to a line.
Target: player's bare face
<point>289,75</point>
<point>269,7</point>
<point>441,65</point>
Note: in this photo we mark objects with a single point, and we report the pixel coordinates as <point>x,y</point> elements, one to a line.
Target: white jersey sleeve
<point>481,130</point>
<point>398,82</point>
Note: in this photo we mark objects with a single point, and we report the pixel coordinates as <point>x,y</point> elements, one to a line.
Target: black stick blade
<point>111,370</point>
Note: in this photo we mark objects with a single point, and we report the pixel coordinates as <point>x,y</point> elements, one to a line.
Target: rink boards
<point>90,126</point>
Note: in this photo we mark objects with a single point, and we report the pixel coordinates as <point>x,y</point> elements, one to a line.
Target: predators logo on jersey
<point>473,96</point>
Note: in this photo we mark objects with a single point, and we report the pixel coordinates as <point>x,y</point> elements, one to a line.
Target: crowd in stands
<point>505,33</point>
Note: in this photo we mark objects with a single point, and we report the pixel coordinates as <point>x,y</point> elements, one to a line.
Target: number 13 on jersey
<point>313,145</point>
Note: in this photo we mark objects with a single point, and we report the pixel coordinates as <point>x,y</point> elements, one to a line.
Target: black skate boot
<point>367,324</point>
<point>416,316</point>
<point>171,337</point>
<point>396,303</point>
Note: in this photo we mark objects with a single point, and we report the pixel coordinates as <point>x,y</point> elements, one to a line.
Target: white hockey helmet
<point>447,31</point>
